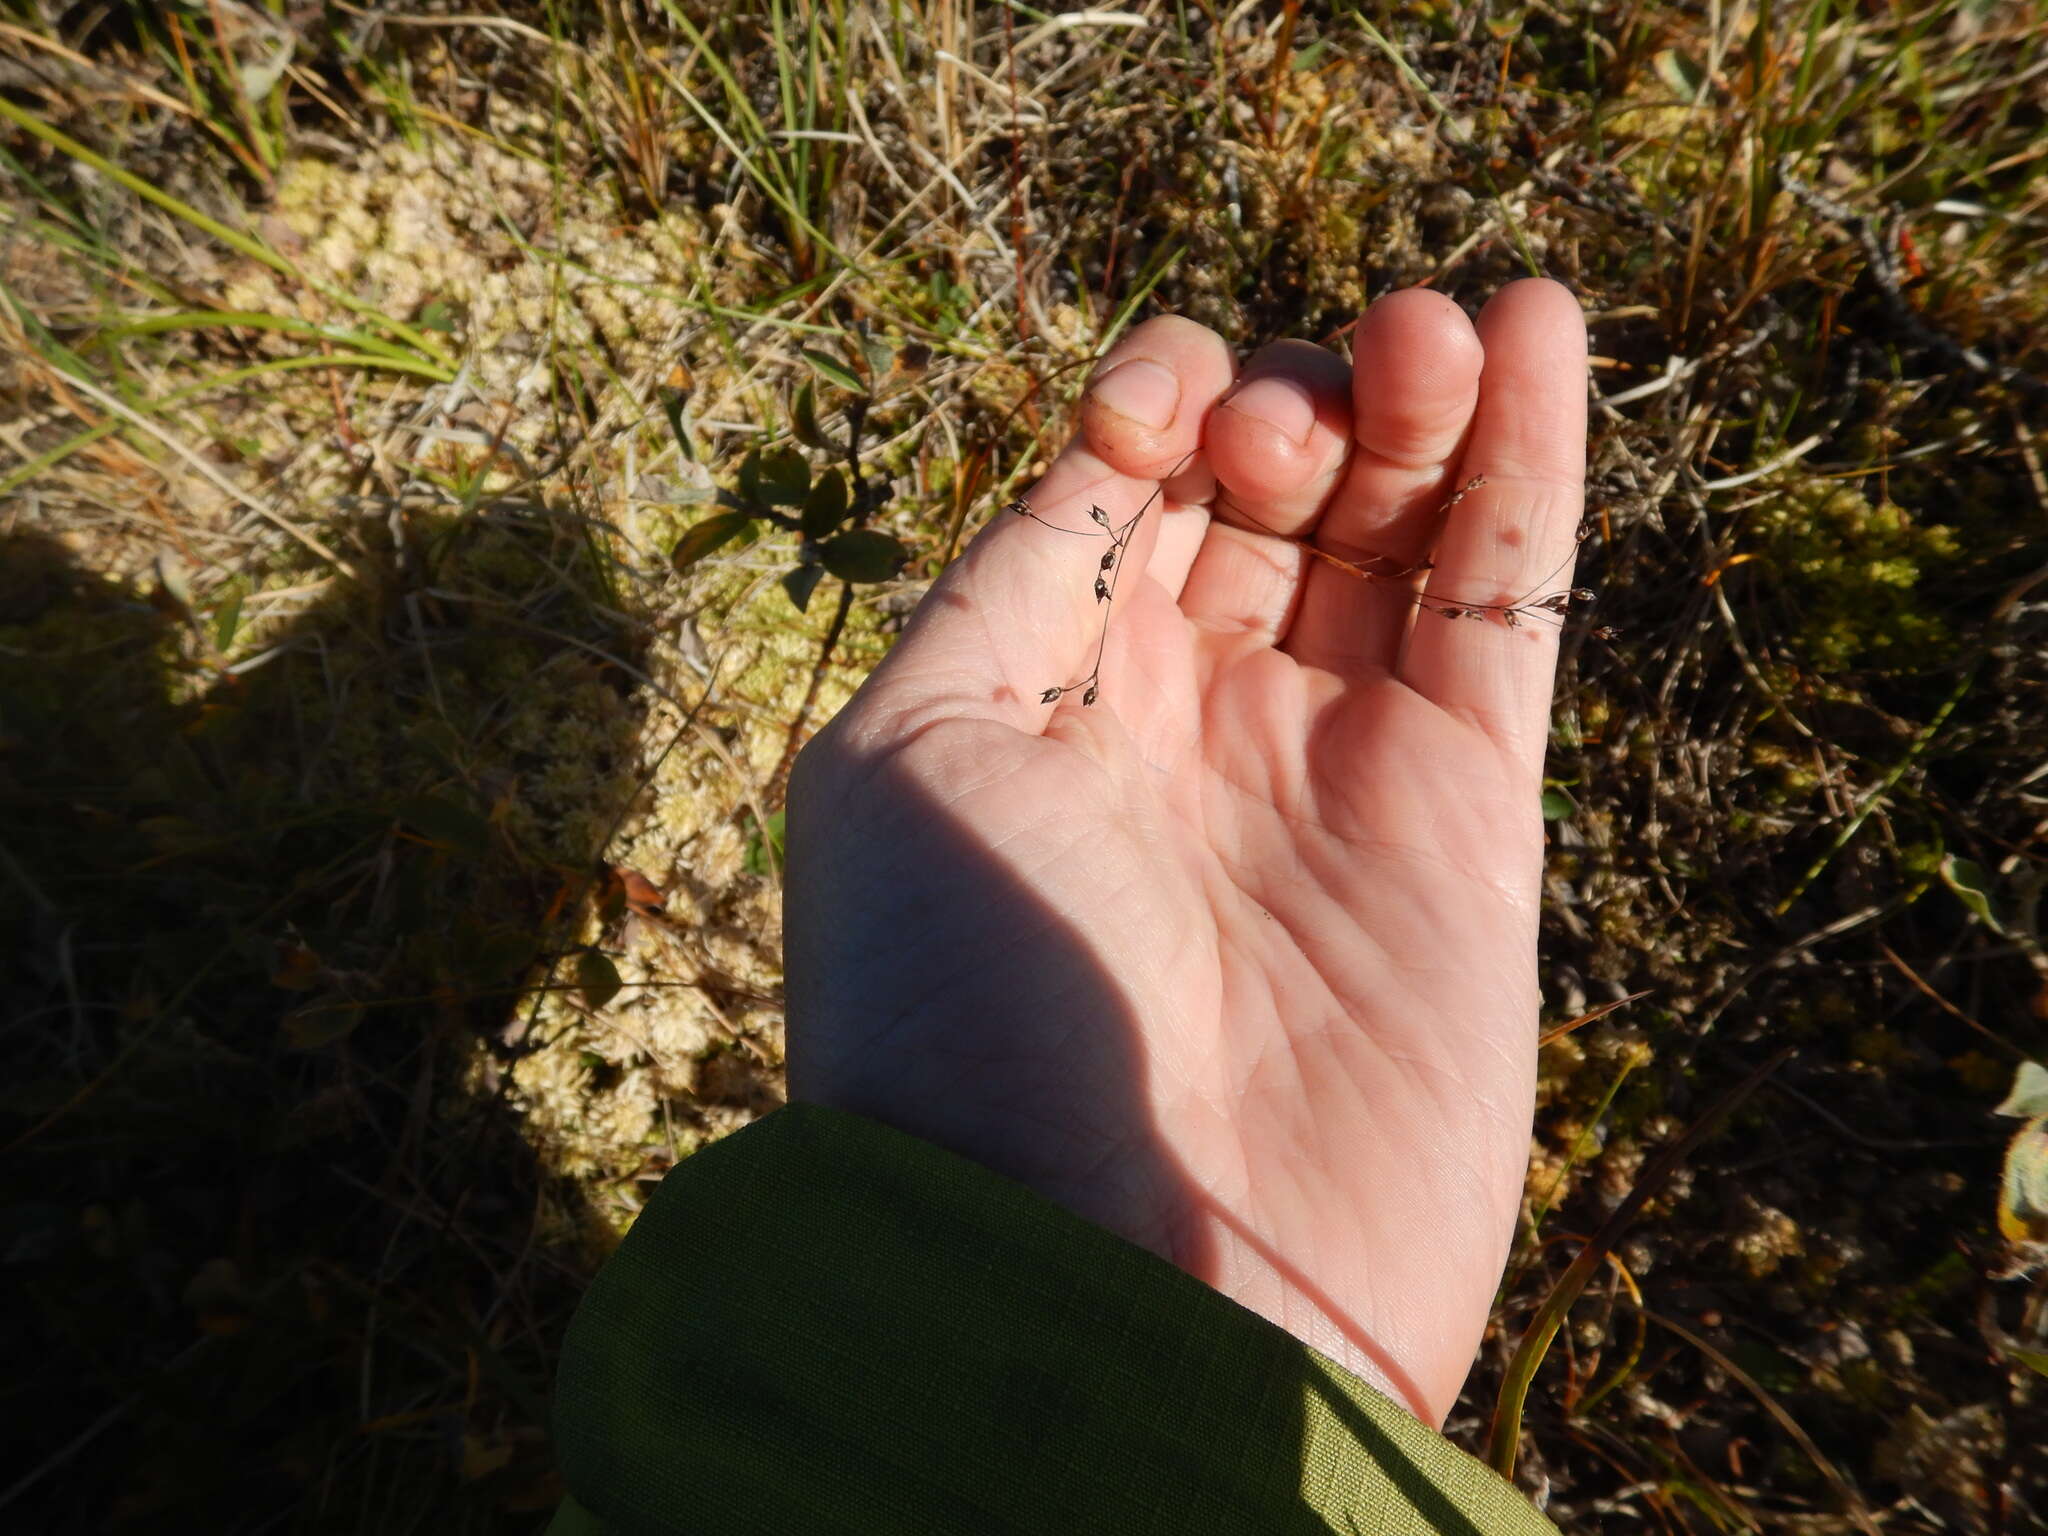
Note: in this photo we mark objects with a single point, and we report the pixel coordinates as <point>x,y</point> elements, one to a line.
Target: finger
<point>1278,441</point>
<point>1414,383</point>
<point>1183,520</point>
<point>1017,613</point>
<point>1244,583</point>
<point>1144,411</point>
<point>1182,529</point>
<point>1194,485</point>
<point>1511,541</point>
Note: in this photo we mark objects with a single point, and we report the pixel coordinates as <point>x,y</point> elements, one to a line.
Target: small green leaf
<point>825,508</point>
<point>764,852</point>
<point>800,583</point>
<point>2029,1097</point>
<point>803,415</point>
<point>438,315</point>
<point>863,555</point>
<point>1966,877</point>
<point>700,539</point>
<point>447,824</point>
<point>1557,805</point>
<point>783,478</point>
<point>227,619</point>
<point>2032,1359</point>
<point>597,978</point>
<point>833,371</point>
<point>672,406</point>
<point>881,357</point>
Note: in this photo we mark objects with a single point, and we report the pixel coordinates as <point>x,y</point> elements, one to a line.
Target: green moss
<point>1852,571</point>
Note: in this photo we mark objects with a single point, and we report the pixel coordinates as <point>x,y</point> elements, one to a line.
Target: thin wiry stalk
<point>1552,606</point>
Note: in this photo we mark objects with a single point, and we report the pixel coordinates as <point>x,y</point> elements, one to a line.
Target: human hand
<point>1239,962</point>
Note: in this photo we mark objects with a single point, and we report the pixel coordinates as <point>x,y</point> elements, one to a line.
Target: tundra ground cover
<point>389,821</point>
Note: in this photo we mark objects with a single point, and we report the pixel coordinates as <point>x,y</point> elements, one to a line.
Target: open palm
<point>1238,962</point>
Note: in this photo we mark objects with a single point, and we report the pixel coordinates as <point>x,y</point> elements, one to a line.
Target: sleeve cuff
<point>823,1324</point>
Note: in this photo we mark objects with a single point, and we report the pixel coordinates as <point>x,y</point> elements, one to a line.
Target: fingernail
<point>1140,390</point>
<point>1280,403</point>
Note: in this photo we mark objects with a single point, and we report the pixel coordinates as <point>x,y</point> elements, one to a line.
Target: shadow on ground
<point>278,1257</point>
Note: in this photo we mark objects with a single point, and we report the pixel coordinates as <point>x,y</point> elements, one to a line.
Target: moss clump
<point>1853,569</point>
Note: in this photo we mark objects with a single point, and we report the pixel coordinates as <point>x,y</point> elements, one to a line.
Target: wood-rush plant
<point>1107,572</point>
<point>1551,606</point>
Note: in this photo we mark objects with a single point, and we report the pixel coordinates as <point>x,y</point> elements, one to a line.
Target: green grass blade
<point>26,472</point>
<point>206,319</point>
<point>234,239</point>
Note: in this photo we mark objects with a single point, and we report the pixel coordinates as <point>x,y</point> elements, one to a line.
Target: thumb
<point>1019,613</point>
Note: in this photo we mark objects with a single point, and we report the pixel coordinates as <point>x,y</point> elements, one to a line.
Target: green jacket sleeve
<point>821,1324</point>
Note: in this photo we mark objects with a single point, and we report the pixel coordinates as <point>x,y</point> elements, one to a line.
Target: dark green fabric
<point>820,1324</point>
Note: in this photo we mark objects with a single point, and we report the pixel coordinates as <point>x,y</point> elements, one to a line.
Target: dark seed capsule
<point>1514,619</point>
<point>1089,696</point>
<point>1020,506</point>
<point>1449,613</point>
<point>1109,559</point>
<point>1050,696</point>
<point>1582,594</point>
<point>1099,515</point>
<point>1101,590</point>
